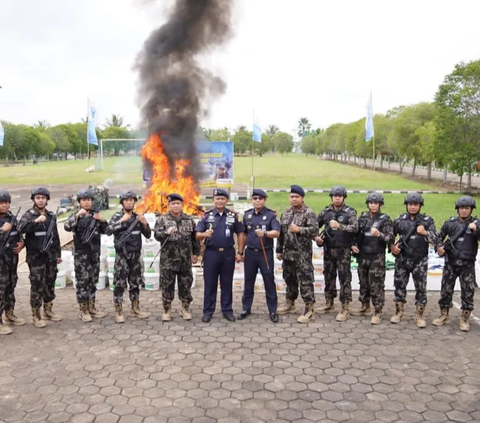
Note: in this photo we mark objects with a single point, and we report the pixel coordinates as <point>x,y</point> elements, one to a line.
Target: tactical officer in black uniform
<point>42,259</point>
<point>87,227</point>
<point>127,227</point>
<point>217,228</point>
<point>460,251</point>
<point>261,227</point>
<point>341,225</point>
<point>416,231</point>
<point>11,243</point>
<point>375,232</point>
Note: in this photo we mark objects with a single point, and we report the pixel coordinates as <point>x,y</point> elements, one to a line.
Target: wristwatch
<point>240,253</point>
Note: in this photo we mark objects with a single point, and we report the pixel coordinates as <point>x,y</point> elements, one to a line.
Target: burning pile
<point>174,94</point>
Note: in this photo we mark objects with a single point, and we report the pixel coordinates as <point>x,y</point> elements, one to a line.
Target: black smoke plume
<point>174,91</point>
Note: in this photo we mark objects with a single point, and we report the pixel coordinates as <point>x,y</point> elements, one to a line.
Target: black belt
<point>258,249</point>
<point>220,249</point>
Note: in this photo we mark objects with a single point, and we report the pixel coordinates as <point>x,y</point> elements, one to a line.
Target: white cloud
<point>288,58</point>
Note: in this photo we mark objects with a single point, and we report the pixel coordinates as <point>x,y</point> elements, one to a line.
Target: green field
<point>273,171</point>
<point>118,169</point>
<point>280,172</point>
<point>439,206</point>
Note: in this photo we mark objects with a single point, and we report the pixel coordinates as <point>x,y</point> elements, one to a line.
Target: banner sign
<point>217,161</point>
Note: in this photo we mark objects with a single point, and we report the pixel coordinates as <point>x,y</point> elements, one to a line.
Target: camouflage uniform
<point>42,265</point>
<point>415,260</point>
<point>128,258</point>
<point>8,265</point>
<point>297,252</point>
<point>371,259</point>
<point>176,256</point>
<point>459,262</point>
<point>86,256</point>
<point>337,252</point>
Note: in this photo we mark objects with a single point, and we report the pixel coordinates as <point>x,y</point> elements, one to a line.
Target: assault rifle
<point>6,244</point>
<point>48,240</point>
<point>88,234</point>
<point>449,244</point>
<point>124,237</point>
<point>402,243</point>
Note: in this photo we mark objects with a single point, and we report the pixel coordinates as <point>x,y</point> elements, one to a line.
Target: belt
<point>220,249</point>
<point>258,249</point>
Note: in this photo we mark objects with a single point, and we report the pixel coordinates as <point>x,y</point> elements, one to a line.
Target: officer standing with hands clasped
<point>179,249</point>
<point>460,251</point>
<point>11,243</point>
<point>261,227</point>
<point>217,228</point>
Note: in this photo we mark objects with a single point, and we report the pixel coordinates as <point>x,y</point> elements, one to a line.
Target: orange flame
<point>162,182</point>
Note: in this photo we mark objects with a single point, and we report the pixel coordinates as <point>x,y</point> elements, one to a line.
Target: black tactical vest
<point>337,238</point>
<point>467,245</point>
<point>14,236</point>
<point>34,240</point>
<point>417,244</point>
<point>82,226</point>
<point>371,244</point>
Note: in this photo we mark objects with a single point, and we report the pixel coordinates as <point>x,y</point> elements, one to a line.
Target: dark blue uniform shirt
<point>265,220</point>
<point>224,226</point>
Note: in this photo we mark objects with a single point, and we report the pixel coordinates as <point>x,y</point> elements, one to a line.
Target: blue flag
<point>369,132</point>
<point>257,131</point>
<point>2,134</point>
<point>91,133</point>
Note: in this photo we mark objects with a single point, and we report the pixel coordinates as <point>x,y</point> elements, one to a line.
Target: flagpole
<point>88,144</point>
<point>252,178</point>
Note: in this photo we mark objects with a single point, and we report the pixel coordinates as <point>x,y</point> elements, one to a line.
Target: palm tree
<point>303,126</point>
<point>272,130</point>
<point>115,120</point>
<point>41,124</point>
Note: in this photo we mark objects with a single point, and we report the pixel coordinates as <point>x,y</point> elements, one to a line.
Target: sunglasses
<point>257,198</point>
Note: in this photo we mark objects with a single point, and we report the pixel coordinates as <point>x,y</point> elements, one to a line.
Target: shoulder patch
<point>32,212</point>
<point>453,219</point>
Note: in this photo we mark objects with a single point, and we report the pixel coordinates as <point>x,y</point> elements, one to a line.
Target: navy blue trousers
<point>218,264</point>
<point>255,260</point>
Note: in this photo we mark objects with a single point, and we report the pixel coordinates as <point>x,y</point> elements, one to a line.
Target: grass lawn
<point>439,206</point>
<point>119,169</point>
<point>275,171</point>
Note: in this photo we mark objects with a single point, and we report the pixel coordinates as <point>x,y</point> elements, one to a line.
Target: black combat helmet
<point>40,191</point>
<point>413,197</point>
<point>465,201</point>
<point>5,196</point>
<point>338,190</point>
<point>374,197</point>
<point>127,194</point>
<point>85,193</point>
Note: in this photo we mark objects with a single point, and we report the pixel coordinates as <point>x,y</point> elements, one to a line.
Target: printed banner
<point>217,160</point>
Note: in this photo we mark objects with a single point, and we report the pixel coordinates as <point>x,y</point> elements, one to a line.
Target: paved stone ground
<point>250,371</point>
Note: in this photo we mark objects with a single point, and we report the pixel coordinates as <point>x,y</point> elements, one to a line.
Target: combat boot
<point>185,311</point>
<point>94,312</point>
<point>364,310</point>
<point>328,307</point>
<point>465,320</point>
<point>377,316</point>
<point>167,312</point>
<point>443,319</point>
<point>137,312</point>
<point>37,319</point>
<point>4,329</point>
<point>84,314</point>
<point>397,317</point>
<point>50,314</point>
<point>119,316</point>
<point>11,319</point>
<point>288,307</point>
<point>308,315</point>
<point>419,320</point>
<point>343,315</point>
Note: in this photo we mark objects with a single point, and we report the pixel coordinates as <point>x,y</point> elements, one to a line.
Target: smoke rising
<point>174,91</point>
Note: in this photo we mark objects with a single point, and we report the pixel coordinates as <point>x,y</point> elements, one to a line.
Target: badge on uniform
<point>227,233</point>
<point>249,216</point>
<point>264,217</point>
<point>340,218</point>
